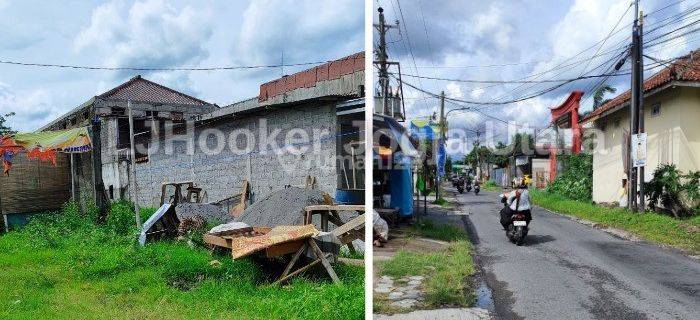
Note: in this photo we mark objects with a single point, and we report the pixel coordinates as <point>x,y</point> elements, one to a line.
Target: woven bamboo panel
<point>35,186</point>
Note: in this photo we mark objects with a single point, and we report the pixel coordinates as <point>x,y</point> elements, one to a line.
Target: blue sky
<point>531,35</point>
<point>159,33</point>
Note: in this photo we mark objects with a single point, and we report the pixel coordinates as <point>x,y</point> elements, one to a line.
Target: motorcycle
<point>469,187</point>
<point>477,188</point>
<point>518,228</point>
<point>459,183</point>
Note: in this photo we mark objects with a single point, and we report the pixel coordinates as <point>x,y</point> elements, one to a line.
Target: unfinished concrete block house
<point>326,102</point>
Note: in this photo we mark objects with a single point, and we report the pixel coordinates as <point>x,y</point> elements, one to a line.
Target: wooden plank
<point>217,241</point>
<point>327,265</point>
<point>357,222</point>
<point>283,248</point>
<point>292,262</point>
<point>298,271</point>
<point>353,262</point>
<point>337,207</point>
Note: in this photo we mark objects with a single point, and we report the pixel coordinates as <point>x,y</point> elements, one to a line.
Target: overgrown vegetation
<point>65,266</point>
<point>491,185</point>
<point>681,233</point>
<point>447,273</point>
<point>576,179</point>
<point>678,193</point>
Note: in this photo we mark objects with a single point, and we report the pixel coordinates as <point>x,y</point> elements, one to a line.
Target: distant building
<point>671,114</point>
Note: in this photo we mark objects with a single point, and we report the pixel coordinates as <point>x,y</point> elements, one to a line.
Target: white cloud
<point>453,90</point>
<point>32,108</point>
<point>302,29</point>
<point>149,33</point>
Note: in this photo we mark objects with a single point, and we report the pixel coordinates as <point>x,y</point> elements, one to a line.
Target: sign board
<point>639,150</point>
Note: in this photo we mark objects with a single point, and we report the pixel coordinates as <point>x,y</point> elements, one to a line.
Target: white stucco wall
<point>673,137</point>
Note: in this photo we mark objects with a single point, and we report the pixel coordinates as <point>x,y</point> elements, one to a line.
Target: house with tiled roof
<point>107,117</point>
<point>672,121</point>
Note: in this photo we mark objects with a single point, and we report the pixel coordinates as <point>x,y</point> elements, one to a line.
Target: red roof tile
<point>140,89</point>
<point>686,68</point>
<point>308,78</point>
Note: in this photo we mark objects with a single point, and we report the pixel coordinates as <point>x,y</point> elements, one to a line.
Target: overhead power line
<point>71,66</point>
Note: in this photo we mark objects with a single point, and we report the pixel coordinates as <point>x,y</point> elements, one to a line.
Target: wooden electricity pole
<point>132,169</point>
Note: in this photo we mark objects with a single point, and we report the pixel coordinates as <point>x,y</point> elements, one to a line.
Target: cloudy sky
<point>506,40</point>
<point>163,34</point>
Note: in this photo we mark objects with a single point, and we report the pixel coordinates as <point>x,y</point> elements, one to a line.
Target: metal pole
<point>72,178</point>
<point>132,164</point>
<point>443,136</point>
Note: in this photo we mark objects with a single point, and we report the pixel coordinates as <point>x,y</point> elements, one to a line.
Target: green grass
<point>684,234</point>
<point>447,273</point>
<point>445,232</point>
<point>63,266</point>
<point>442,202</point>
<point>491,186</point>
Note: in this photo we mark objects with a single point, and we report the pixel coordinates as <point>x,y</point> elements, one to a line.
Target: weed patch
<point>681,233</point>
<point>63,261</point>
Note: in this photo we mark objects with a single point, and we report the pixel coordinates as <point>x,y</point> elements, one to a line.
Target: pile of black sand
<point>282,207</point>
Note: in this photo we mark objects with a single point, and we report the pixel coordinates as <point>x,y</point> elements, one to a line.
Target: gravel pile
<point>212,214</point>
<point>283,207</point>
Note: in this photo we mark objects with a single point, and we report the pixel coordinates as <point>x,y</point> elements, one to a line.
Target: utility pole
<point>132,170</point>
<point>443,135</point>
<point>640,102</point>
<point>382,58</point>
<point>636,120</point>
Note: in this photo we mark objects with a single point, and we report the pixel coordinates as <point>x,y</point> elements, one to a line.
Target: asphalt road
<point>567,270</point>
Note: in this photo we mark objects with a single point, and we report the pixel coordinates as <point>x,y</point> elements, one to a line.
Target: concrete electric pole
<point>382,58</point>
<point>635,178</point>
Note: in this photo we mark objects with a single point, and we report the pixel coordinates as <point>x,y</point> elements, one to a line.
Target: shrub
<point>670,187</point>
<point>575,181</point>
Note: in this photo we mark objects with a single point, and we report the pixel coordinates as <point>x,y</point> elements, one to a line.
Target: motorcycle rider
<point>518,201</point>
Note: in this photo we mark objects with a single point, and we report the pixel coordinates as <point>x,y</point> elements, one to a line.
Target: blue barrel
<point>350,196</point>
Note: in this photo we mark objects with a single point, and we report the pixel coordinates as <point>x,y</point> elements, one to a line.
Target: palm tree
<point>600,93</point>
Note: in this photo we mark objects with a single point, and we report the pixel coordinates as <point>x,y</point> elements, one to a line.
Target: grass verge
<point>683,234</point>
<point>447,273</point>
<point>491,186</point>
<point>445,232</point>
<point>64,266</point>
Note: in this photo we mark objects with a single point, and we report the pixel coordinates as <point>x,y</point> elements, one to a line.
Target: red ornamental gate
<point>566,116</point>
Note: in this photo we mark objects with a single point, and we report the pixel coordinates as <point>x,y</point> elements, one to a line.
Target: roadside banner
<point>44,145</point>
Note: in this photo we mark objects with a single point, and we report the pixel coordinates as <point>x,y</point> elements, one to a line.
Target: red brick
<point>322,72</point>
<point>334,70</point>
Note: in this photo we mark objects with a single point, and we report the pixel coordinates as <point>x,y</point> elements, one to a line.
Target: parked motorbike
<point>518,228</point>
<point>477,188</point>
<point>460,188</point>
<point>469,187</point>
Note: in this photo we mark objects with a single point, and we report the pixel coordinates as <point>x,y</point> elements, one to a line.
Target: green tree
<point>4,128</point>
<point>448,164</point>
<point>600,93</point>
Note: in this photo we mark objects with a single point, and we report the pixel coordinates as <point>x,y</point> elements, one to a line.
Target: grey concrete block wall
<point>221,174</point>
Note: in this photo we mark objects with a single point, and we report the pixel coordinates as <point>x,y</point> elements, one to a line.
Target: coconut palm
<point>600,93</point>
